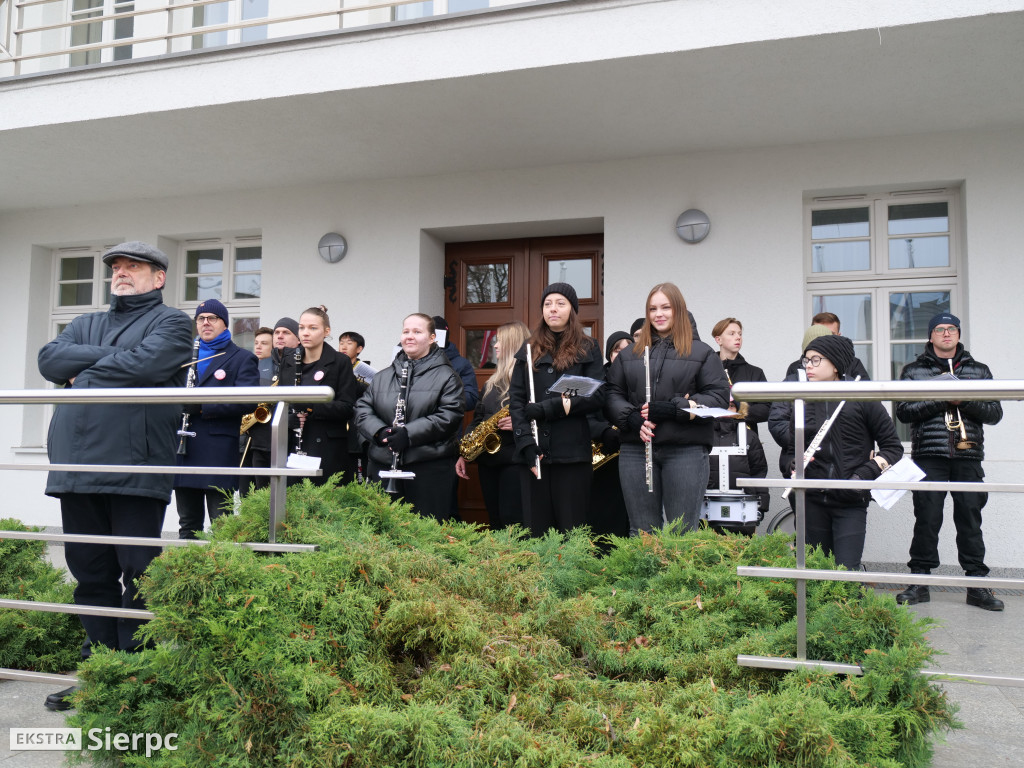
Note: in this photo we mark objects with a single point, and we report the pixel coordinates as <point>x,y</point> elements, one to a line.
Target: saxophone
<point>484,437</point>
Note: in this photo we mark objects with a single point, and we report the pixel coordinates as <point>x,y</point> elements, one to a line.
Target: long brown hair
<point>565,351</point>
<point>511,336</point>
<point>682,330</point>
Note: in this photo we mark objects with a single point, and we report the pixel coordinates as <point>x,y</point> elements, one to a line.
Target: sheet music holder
<point>583,386</point>
<point>364,372</point>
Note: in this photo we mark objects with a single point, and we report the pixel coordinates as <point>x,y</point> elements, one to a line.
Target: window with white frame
<point>81,284</point>
<point>229,12</point>
<point>87,31</point>
<point>229,270</point>
<point>884,264</point>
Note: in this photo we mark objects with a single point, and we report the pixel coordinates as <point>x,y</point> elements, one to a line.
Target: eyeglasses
<point>207,319</point>
<point>811,362</point>
<point>947,331</point>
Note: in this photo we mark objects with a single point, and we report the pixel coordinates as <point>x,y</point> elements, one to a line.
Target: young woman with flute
<point>319,429</point>
<point>492,437</point>
<point>683,373</point>
<point>556,465</point>
<point>426,438</point>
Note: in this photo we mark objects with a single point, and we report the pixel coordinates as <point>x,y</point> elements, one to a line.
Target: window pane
<point>909,313</point>
<point>247,286</point>
<point>243,331</point>
<point>917,219</point>
<point>76,268</point>
<point>249,258</point>
<point>480,347</point>
<point>254,9</point>
<point>75,294</point>
<point>840,222</point>
<point>487,283</point>
<point>204,261</point>
<point>901,355</point>
<point>575,272</point>
<point>202,288</point>
<point>842,256</point>
<point>454,6</point>
<point>414,11</point>
<point>918,252</point>
<point>863,353</point>
<point>853,311</point>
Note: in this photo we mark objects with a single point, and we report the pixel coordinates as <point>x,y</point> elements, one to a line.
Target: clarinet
<point>295,409</point>
<point>648,446</point>
<point>403,393</point>
<point>184,432</point>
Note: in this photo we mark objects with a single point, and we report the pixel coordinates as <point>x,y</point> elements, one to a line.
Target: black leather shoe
<point>914,594</point>
<point>983,598</point>
<point>61,700</point>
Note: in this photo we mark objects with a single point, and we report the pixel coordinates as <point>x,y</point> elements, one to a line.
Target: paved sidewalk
<point>973,640</point>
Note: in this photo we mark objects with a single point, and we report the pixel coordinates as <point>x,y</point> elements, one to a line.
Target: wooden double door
<point>489,283</point>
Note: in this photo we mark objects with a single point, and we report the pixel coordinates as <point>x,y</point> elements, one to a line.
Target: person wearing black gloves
<point>837,518</point>
<point>684,374</point>
<point>560,497</point>
<point>427,443</point>
<point>498,472</point>
<point>322,426</point>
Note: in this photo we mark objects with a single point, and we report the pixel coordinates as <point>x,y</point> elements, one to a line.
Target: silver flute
<point>649,445</point>
<point>533,399</point>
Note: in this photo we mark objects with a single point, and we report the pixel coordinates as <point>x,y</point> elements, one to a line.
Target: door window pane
<point>910,311</point>
<point>480,347</point>
<point>487,283</point>
<point>575,272</point>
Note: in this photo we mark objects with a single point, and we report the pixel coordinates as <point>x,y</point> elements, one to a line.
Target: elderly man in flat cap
<point>138,342</point>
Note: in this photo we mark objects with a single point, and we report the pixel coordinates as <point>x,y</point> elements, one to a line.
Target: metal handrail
<point>799,393</point>
<point>277,472</point>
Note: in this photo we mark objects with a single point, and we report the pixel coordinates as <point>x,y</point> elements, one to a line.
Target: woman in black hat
<point>837,518</point>
<point>560,497</point>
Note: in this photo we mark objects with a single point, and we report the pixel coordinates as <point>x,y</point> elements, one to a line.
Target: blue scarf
<point>209,348</point>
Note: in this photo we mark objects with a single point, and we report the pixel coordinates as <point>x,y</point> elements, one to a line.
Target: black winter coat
<point>488,405</point>
<point>846,447</point>
<point>738,369</point>
<point>325,433</point>
<point>433,410</point>
<point>217,425</point>
<point>138,342</point>
<point>699,375</point>
<point>927,418</point>
<point>564,439</point>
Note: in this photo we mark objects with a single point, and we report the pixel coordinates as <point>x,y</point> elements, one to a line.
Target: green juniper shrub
<point>35,640</point>
<point>405,642</point>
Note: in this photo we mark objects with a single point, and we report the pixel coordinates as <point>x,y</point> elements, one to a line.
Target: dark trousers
<point>261,460</point>
<point>430,493</point>
<point>559,500</point>
<point>502,494</point>
<point>101,569</point>
<point>837,530</point>
<point>928,515</point>
<point>193,504</point>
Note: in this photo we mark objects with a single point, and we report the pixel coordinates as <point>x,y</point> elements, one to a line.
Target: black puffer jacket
<point>738,370</point>
<point>488,405</point>
<point>699,375</point>
<point>927,418</point>
<point>564,439</point>
<point>433,410</point>
<point>846,448</point>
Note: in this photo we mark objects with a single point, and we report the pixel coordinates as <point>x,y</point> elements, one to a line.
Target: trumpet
<point>957,425</point>
<point>484,437</point>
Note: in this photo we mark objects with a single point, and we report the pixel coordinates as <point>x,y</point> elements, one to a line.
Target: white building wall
<point>749,267</point>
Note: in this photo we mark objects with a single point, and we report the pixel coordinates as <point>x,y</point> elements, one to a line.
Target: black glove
<point>661,410</point>
<point>634,421</point>
<point>380,434</point>
<point>530,454</point>
<point>869,470</point>
<point>792,468</point>
<point>535,411</point>
<point>396,438</point>
<point>610,441</point>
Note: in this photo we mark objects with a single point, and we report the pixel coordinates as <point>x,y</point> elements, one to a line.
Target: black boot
<point>983,598</point>
<point>914,594</point>
<point>61,700</point>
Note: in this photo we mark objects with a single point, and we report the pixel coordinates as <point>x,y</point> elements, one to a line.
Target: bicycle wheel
<point>784,520</point>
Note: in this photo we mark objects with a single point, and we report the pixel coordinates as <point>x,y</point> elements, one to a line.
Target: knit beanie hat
<point>837,349</point>
<point>213,307</point>
<point>287,322</point>
<point>812,333</point>
<point>565,290</point>
<point>637,325</point>
<point>943,317</point>
<point>614,339</point>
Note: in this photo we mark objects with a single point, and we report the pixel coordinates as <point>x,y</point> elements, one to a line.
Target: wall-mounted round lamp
<point>332,247</point>
<point>692,226</point>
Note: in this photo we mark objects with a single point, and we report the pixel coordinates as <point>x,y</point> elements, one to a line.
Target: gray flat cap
<point>139,251</point>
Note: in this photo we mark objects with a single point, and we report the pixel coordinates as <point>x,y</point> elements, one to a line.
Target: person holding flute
<point>556,465</point>
<point>684,374</point>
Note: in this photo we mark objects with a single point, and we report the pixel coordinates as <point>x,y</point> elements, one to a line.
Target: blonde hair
<point>511,337</point>
<point>682,330</point>
<point>721,326</point>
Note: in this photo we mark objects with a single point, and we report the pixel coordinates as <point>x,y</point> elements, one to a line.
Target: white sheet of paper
<point>440,336</point>
<point>903,471</point>
<point>710,413</point>
<point>302,461</point>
